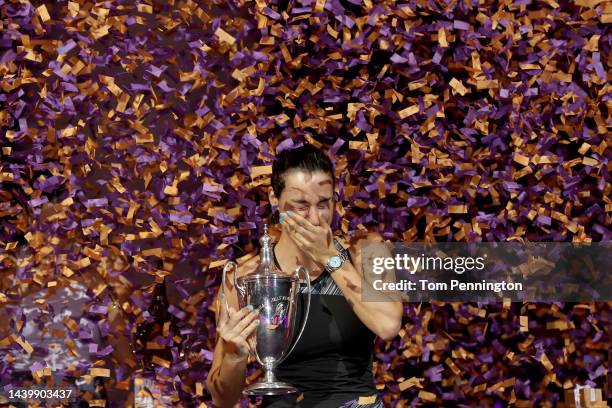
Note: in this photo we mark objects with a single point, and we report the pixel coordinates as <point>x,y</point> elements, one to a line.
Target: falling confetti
<point>145,132</point>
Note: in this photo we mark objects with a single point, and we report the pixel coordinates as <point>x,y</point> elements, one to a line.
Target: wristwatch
<point>336,261</point>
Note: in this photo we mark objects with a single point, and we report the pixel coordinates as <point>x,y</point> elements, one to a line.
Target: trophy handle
<point>226,268</point>
<point>299,269</point>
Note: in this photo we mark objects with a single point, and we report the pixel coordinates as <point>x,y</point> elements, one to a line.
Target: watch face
<point>335,261</point>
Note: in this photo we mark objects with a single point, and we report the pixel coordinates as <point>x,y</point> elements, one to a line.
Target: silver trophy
<point>274,294</point>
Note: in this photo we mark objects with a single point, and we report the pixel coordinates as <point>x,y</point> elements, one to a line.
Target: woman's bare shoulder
<point>247,264</point>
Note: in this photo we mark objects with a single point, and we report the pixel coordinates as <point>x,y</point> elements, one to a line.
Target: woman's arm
<point>227,374</point>
<point>382,318</point>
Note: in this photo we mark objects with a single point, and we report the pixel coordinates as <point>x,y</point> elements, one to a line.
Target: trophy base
<point>270,388</point>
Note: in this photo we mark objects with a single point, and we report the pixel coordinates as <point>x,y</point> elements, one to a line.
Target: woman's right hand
<point>235,330</point>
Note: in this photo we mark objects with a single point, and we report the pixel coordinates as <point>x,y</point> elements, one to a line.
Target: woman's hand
<point>235,331</point>
<point>315,241</point>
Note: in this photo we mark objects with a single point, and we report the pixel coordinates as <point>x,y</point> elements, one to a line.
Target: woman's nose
<point>313,217</point>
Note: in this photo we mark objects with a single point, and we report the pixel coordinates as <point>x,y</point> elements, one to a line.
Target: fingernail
<point>256,322</point>
<point>289,213</point>
<point>254,311</point>
<point>250,308</point>
<point>281,220</point>
<point>222,296</point>
<point>282,215</point>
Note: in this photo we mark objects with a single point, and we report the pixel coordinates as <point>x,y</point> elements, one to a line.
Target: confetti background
<point>146,131</point>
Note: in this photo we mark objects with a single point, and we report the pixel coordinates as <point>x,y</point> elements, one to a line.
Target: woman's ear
<point>272,198</point>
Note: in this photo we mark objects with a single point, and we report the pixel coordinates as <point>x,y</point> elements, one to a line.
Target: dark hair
<point>307,158</point>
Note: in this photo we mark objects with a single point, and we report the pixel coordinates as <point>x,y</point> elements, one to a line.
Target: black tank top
<point>332,361</point>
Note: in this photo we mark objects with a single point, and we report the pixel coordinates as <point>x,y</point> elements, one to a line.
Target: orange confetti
<point>43,13</point>
<point>225,36</point>
<point>160,361</point>
<point>457,209</point>
<point>257,171</point>
<point>520,159</point>
<point>442,37</point>
<point>427,396</point>
<point>99,372</point>
<point>458,86</point>
<point>411,382</point>
<point>409,111</point>
<point>100,32</point>
<point>24,344</point>
<point>524,323</point>
<point>546,362</point>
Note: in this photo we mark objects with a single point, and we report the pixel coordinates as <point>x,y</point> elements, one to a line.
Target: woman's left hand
<point>315,241</point>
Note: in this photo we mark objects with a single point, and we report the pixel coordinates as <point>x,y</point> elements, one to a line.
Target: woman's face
<point>309,194</point>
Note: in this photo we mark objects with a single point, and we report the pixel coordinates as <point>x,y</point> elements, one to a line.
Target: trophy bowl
<point>274,294</point>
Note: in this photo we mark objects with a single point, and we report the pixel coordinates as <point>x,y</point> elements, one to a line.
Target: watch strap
<point>342,254</point>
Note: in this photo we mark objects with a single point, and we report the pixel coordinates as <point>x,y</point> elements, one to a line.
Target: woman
<point>331,363</point>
